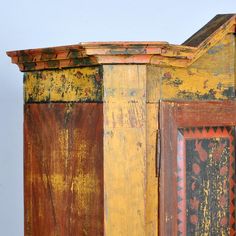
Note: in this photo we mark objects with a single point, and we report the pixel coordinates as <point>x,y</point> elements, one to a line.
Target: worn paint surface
<point>153,84</point>
<point>78,84</point>
<point>63,169</point>
<point>152,100</point>
<point>197,187</point>
<point>125,149</point>
<point>131,96</point>
<point>206,184</point>
<point>90,54</point>
<point>151,169</point>
<point>211,77</point>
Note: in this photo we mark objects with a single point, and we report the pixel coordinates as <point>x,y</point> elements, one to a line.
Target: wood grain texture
<point>167,182</point>
<point>205,113</point>
<point>63,169</point>
<point>125,150</point>
<point>151,169</point>
<point>176,115</point>
<point>153,83</point>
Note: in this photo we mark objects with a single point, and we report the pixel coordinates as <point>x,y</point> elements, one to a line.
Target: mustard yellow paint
<point>194,84</point>
<point>211,77</point>
<point>153,84</point>
<point>77,84</point>
<point>151,172</point>
<point>125,150</point>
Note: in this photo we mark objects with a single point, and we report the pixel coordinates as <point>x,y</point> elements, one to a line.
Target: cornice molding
<point>87,54</point>
<point>99,53</point>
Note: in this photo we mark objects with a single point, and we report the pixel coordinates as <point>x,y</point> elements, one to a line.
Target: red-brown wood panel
<point>63,169</point>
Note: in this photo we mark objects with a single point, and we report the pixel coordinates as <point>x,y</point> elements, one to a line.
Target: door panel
<point>197,168</point>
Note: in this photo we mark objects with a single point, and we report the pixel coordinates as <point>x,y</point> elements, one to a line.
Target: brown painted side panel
<point>63,164</point>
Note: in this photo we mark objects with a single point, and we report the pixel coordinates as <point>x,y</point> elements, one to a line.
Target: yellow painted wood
<point>211,77</point>
<point>166,61</point>
<point>219,58</point>
<point>125,149</point>
<point>153,97</point>
<point>211,41</point>
<point>77,84</point>
<point>152,181</point>
<point>153,83</point>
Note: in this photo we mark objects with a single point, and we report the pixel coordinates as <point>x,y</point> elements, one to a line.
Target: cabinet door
<point>197,168</point>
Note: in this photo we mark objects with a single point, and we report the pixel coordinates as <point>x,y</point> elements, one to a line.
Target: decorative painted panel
<point>205,181</point>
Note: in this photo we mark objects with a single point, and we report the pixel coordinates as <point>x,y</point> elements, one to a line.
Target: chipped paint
<point>80,84</point>
<point>125,150</point>
<point>151,171</point>
<point>211,77</point>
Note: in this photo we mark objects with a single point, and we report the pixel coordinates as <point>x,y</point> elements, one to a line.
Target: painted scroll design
<point>205,181</point>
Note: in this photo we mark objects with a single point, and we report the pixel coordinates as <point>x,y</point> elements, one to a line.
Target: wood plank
<point>152,180</point>
<point>125,149</point>
<point>153,84</point>
<point>63,169</point>
<point>209,113</point>
<point>167,182</point>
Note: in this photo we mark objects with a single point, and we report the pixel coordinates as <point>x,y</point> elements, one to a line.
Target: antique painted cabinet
<point>131,138</point>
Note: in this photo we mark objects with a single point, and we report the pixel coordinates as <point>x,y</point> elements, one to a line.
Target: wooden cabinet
<point>93,114</point>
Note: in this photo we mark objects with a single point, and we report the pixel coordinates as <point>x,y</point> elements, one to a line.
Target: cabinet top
<point>157,53</point>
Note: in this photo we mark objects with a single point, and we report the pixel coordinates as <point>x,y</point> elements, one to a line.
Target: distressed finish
<point>151,170</point>
<point>125,165</point>
<point>63,169</point>
<point>206,187</point>
<point>211,77</point>
<point>100,102</point>
<point>177,192</point>
<point>78,84</point>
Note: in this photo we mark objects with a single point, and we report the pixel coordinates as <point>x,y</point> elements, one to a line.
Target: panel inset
<point>63,169</point>
<point>205,181</point>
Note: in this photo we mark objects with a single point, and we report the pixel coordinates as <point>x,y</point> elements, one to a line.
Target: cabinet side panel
<point>63,166</point>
